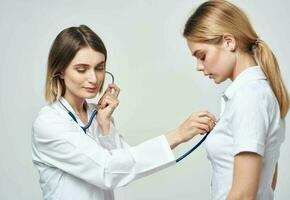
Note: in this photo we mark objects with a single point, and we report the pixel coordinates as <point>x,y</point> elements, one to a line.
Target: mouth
<point>211,76</point>
<point>91,89</point>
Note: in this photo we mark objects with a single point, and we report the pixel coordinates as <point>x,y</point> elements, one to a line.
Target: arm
<point>58,144</point>
<point>197,123</point>
<point>275,176</point>
<point>246,176</point>
<point>250,124</point>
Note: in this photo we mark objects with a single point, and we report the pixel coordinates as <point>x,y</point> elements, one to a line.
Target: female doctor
<point>88,163</point>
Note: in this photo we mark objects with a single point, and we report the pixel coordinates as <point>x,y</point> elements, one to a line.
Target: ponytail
<point>267,61</point>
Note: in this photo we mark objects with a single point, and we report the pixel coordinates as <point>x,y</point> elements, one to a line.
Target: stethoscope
<point>84,128</point>
<point>92,115</point>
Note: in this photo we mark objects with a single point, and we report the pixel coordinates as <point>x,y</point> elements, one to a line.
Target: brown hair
<point>214,18</point>
<point>64,48</point>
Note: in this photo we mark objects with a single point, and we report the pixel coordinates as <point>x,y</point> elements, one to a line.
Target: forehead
<point>196,46</point>
<point>88,56</point>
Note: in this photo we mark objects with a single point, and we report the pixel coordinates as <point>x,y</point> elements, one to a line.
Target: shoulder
<point>256,92</point>
<point>46,121</point>
<point>46,112</point>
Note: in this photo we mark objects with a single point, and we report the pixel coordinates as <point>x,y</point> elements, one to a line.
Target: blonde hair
<point>64,48</point>
<point>214,18</point>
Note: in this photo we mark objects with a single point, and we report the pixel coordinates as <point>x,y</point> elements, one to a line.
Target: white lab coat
<point>75,165</point>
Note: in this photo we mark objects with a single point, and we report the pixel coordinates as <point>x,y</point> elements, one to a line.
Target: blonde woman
<point>245,144</point>
<point>79,161</point>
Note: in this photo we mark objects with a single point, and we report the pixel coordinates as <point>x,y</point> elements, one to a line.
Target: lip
<point>90,89</point>
<point>211,76</point>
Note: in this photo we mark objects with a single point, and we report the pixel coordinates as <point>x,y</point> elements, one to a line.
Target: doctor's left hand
<point>106,106</point>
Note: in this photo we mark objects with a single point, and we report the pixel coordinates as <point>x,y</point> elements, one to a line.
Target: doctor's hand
<point>197,123</point>
<point>106,106</point>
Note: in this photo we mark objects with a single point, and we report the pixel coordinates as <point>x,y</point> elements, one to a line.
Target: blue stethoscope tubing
<point>93,115</point>
<point>192,149</point>
<point>84,128</point>
<point>75,119</point>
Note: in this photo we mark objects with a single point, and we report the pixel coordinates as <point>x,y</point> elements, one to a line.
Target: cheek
<point>73,81</point>
<point>220,63</point>
<point>100,78</point>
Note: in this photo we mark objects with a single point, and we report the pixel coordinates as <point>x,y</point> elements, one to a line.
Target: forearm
<point>275,176</point>
<point>173,139</point>
<point>246,176</point>
<point>104,126</point>
<point>241,195</point>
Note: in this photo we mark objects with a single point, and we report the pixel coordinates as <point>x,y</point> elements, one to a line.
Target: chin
<point>218,81</point>
<point>89,95</point>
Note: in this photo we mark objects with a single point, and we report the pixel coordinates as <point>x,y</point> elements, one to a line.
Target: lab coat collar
<point>252,73</point>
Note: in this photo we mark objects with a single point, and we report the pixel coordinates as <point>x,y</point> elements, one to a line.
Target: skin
<point>221,62</point>
<point>83,78</point>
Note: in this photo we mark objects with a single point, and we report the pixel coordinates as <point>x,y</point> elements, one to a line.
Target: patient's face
<point>215,61</point>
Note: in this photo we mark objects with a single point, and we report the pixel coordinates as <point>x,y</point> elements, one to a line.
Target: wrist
<point>105,127</point>
<point>173,138</point>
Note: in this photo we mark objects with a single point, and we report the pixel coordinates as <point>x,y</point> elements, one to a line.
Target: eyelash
<point>82,70</point>
<point>101,68</point>
<point>202,58</point>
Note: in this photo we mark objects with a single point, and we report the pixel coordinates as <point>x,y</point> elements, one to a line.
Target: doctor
<point>89,163</point>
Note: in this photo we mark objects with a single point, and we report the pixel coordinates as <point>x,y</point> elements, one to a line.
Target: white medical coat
<point>75,165</point>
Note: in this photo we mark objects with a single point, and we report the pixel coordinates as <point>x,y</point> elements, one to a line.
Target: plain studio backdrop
<point>154,69</point>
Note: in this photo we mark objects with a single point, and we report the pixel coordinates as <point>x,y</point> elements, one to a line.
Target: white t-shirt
<point>250,121</point>
<point>75,165</point>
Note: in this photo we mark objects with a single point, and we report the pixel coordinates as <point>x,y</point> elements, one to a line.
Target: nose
<point>200,67</point>
<point>92,77</point>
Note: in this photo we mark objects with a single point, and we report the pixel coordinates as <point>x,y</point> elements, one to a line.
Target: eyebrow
<point>86,65</point>
<point>196,52</point>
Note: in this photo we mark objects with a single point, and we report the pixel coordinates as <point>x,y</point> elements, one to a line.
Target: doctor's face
<point>215,61</point>
<point>85,74</point>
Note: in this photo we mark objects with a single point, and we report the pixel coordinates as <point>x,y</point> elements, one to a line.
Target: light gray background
<point>153,67</point>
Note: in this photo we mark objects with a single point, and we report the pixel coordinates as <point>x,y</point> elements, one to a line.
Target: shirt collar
<point>252,73</point>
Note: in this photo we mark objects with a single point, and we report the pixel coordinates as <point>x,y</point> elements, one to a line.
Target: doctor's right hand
<point>106,106</point>
<point>197,123</point>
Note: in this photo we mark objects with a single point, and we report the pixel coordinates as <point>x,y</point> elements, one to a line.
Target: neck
<point>76,103</point>
<point>244,61</point>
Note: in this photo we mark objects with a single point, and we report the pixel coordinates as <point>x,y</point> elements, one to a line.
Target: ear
<point>61,75</point>
<point>229,42</point>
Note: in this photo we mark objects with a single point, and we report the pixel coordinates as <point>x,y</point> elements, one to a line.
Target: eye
<point>81,70</point>
<point>100,68</point>
<point>202,57</point>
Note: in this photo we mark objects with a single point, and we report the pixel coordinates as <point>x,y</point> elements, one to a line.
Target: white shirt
<point>250,121</point>
<point>73,165</point>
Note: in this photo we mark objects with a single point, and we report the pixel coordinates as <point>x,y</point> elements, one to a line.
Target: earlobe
<point>231,46</point>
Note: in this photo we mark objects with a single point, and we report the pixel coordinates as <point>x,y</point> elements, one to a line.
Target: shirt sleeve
<point>59,144</point>
<point>250,122</point>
